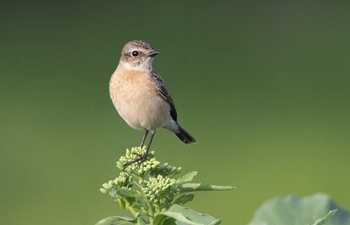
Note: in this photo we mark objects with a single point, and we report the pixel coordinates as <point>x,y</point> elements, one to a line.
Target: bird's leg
<point>144,138</point>
<point>143,157</point>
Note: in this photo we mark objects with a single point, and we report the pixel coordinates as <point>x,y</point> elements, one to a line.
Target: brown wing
<point>164,93</point>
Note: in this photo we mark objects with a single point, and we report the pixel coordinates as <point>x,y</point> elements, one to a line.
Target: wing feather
<point>161,88</point>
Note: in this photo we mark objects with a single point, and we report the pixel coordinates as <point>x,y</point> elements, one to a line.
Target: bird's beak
<point>152,53</point>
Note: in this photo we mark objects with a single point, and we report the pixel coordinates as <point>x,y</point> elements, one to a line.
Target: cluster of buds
<point>124,181</point>
<point>154,179</point>
<point>165,170</point>
<point>139,168</point>
<point>157,187</point>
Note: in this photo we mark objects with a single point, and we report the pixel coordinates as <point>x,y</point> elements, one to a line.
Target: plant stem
<point>150,210</point>
<point>132,210</point>
<point>158,208</point>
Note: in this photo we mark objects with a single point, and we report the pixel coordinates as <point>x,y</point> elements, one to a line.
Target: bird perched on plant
<point>140,96</point>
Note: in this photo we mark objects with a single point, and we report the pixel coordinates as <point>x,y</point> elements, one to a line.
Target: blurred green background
<point>262,85</point>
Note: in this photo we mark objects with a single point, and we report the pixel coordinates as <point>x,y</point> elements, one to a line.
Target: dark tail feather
<point>184,136</point>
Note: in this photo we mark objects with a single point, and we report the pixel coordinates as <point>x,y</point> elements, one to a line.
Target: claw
<point>141,159</point>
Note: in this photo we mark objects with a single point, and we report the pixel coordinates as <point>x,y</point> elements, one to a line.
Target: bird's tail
<point>184,136</point>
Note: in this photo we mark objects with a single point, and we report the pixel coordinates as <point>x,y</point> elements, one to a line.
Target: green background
<point>264,87</point>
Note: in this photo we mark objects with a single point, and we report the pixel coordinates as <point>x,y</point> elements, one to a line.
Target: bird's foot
<point>141,159</point>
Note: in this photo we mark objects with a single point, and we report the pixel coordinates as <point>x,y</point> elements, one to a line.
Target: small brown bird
<point>140,96</point>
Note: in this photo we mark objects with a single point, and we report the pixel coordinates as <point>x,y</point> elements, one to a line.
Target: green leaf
<point>187,177</point>
<point>292,210</point>
<point>129,193</point>
<point>188,187</point>
<point>141,221</point>
<point>116,220</point>
<point>178,215</point>
<point>183,199</point>
<point>325,219</point>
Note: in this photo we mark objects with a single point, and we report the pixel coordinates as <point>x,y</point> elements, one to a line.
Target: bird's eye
<point>134,53</point>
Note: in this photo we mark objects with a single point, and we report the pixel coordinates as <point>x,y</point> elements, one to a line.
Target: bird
<point>140,96</point>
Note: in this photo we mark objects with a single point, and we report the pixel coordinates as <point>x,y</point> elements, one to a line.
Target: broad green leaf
<point>188,187</point>
<point>183,199</point>
<point>178,215</point>
<point>325,219</point>
<point>187,177</point>
<point>172,218</point>
<point>294,211</point>
<point>116,220</point>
